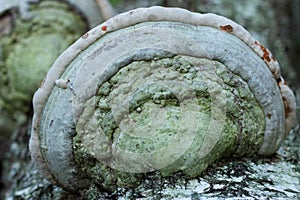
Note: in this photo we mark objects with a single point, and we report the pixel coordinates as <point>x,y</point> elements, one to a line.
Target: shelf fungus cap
<point>33,33</point>
<point>200,82</point>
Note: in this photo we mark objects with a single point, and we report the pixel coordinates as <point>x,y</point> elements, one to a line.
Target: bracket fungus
<point>157,89</point>
<point>33,33</point>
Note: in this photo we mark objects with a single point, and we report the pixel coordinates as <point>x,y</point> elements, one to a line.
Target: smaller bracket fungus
<point>157,89</point>
<point>33,34</point>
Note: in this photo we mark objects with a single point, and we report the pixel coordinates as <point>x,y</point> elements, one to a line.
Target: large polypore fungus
<point>157,89</point>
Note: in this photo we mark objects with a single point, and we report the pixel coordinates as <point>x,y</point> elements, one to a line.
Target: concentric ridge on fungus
<point>157,89</point>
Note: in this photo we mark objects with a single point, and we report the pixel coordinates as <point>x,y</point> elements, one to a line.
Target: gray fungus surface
<point>157,90</point>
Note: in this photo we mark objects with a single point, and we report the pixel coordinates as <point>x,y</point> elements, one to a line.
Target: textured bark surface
<point>276,24</point>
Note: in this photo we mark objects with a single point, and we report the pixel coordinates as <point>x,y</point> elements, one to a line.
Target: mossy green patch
<point>32,47</point>
<point>168,115</point>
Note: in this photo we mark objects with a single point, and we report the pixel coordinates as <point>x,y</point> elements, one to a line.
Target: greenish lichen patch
<point>30,49</point>
<point>168,115</point>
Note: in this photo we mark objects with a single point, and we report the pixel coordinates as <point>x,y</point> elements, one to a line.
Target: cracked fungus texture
<point>170,105</point>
